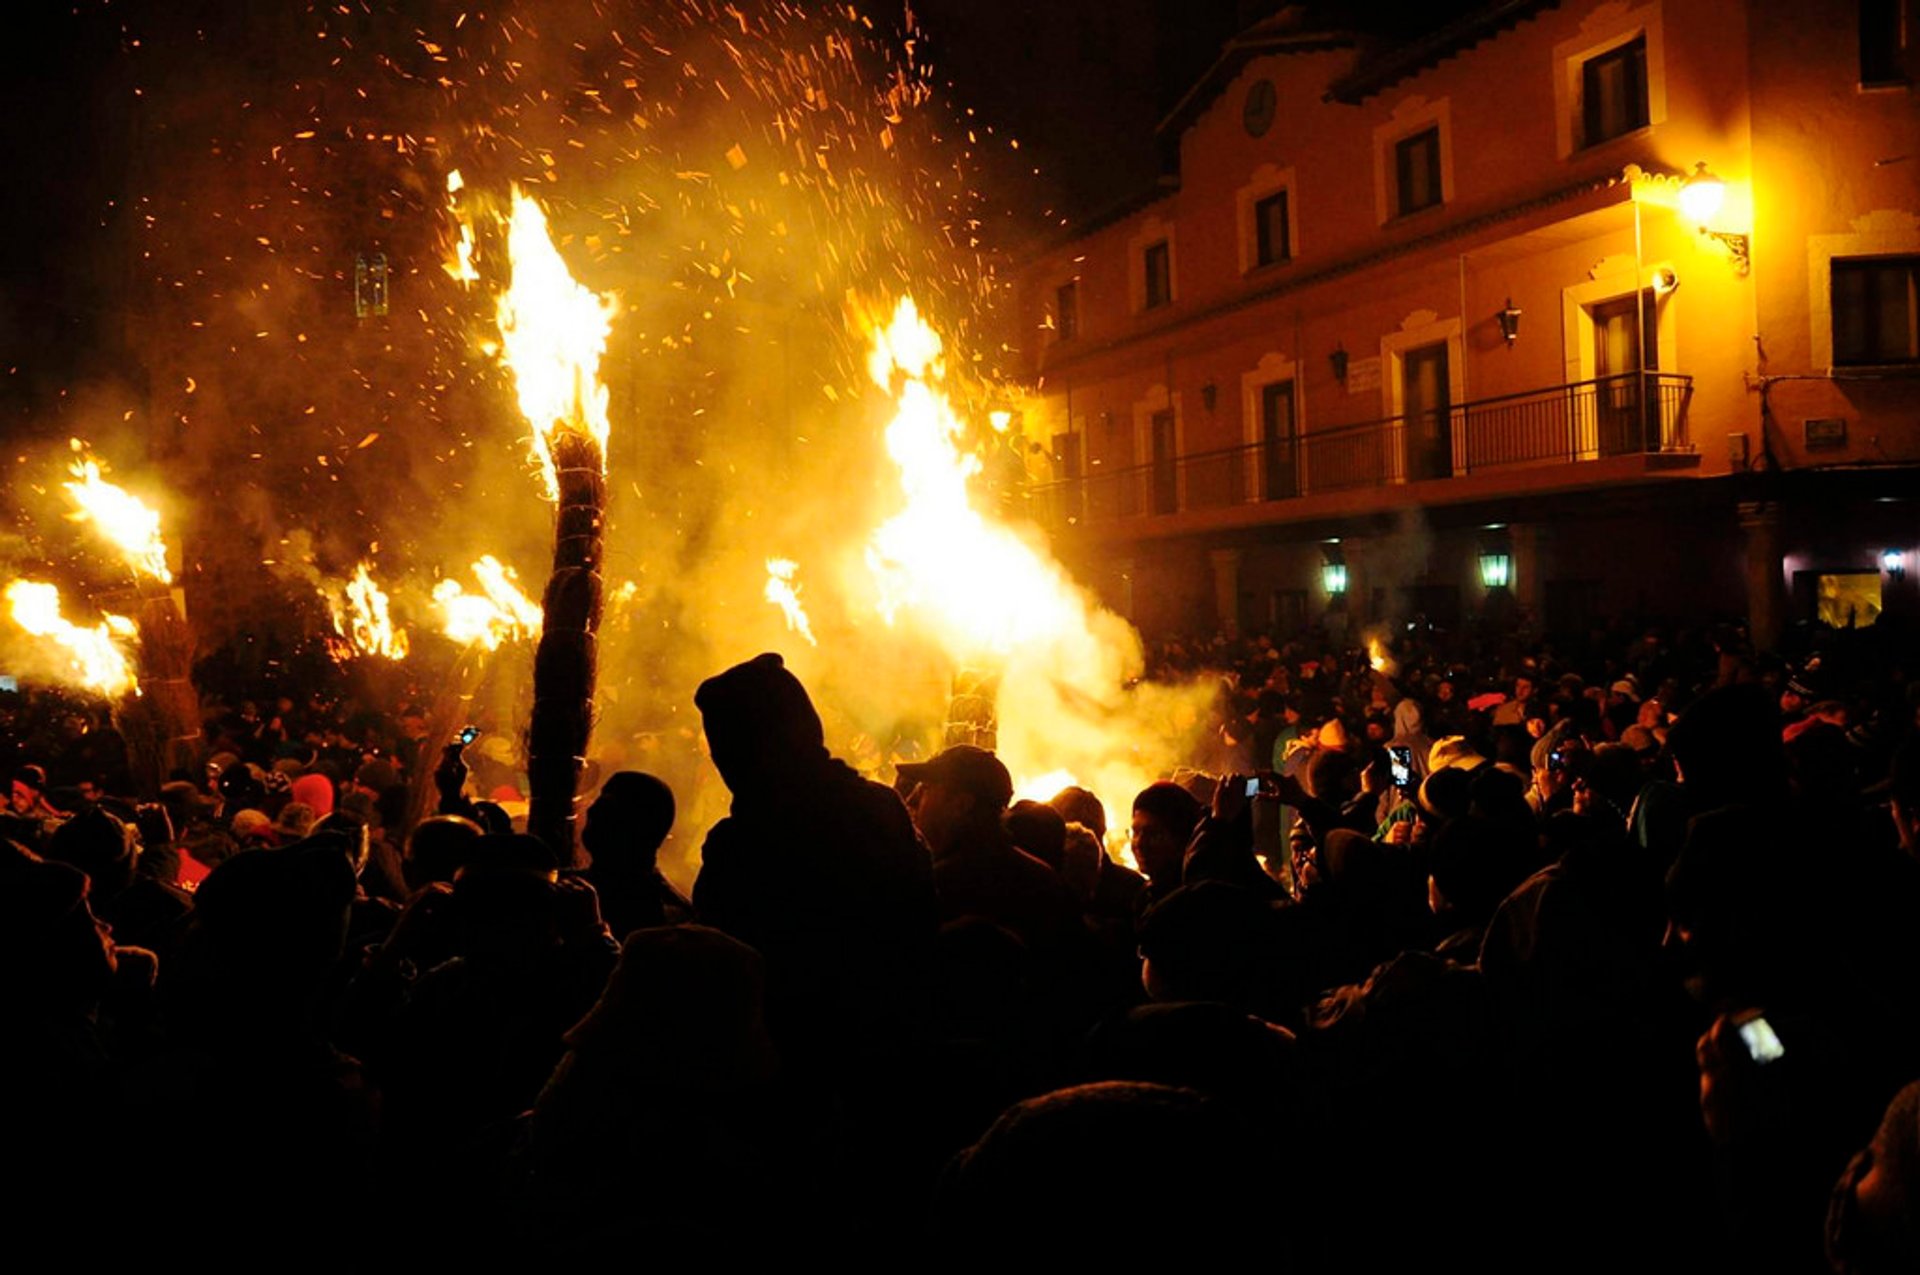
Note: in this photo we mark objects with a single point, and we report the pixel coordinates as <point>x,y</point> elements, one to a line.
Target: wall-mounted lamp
<point>1338,361</point>
<point>1662,281</point>
<point>1209,395</point>
<point>1496,568</point>
<point>1333,572</point>
<point>1894,563</point>
<point>1509,319</point>
<point>1700,198</point>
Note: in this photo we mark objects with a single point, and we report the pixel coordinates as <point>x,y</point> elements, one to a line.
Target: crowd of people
<point>1512,957</point>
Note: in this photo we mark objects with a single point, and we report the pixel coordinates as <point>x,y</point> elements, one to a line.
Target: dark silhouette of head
<point>99,845</point>
<point>1040,831</point>
<point>762,730</point>
<point>437,848</point>
<point>628,821</point>
<point>1077,805</point>
<point>1727,747</point>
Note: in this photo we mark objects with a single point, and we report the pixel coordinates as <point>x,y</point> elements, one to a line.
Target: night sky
<point>1079,83</point>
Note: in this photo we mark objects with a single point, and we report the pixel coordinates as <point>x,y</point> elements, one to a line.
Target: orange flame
<point>990,596</point>
<point>1378,656</point>
<point>126,523</point>
<point>360,616</point>
<point>500,612</point>
<point>552,333</point>
<point>785,594</point>
<point>97,657</point>
<point>460,266</point>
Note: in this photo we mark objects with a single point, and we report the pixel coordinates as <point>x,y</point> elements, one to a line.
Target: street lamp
<point>1333,572</point>
<point>1496,568</point>
<point>1894,563</point>
<point>1700,198</point>
<point>1509,322</point>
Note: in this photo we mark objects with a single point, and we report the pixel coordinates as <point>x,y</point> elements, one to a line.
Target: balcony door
<point>1618,370</point>
<point>1166,470</point>
<point>1427,403</point>
<point>1279,458</point>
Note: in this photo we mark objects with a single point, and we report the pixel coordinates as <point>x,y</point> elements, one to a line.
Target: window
<point>369,285</point>
<point>1874,310</point>
<point>1159,274</point>
<point>1847,599</point>
<point>1272,241</point>
<point>1882,43</point>
<point>1613,92</point>
<point>1416,169</point>
<point>1066,311</point>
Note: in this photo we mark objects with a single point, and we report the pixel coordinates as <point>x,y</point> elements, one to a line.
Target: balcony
<point>1623,416</point>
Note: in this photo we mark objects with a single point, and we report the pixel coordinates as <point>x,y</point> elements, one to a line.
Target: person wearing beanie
<point>816,868</point>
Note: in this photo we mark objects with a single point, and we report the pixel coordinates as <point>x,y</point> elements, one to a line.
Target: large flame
<point>129,525</point>
<point>460,266</point>
<point>785,594</point>
<point>1379,657</point>
<point>360,615</point>
<point>1069,702</point>
<point>500,612</point>
<point>97,657</point>
<point>553,332</point>
<point>988,590</point>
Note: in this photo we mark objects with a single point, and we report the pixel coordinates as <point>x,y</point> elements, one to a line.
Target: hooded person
<point>1410,733</point>
<point>816,868</point>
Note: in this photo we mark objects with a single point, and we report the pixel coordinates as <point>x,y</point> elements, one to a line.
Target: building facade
<point>1591,309</point>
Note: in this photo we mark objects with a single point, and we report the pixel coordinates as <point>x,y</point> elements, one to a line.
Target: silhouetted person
<point>959,803</point>
<point>816,868</point>
<point>666,1111</point>
<point>626,826</point>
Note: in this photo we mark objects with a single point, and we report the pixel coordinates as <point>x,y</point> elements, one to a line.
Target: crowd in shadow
<point>1530,966</point>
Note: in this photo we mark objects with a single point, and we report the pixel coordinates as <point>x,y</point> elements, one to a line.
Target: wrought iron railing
<point>1632,413</point>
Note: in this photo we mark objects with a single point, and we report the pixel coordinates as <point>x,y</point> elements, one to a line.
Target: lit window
<point>1416,169</point>
<point>1613,92</point>
<point>1876,318</point>
<point>1158,262</point>
<point>1271,231</point>
<point>1848,599</point>
<point>1066,310</point>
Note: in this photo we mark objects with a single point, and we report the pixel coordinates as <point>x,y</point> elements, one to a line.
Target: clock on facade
<point>1257,114</point>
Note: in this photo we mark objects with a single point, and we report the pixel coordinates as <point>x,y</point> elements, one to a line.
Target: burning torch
<point>553,332</point>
